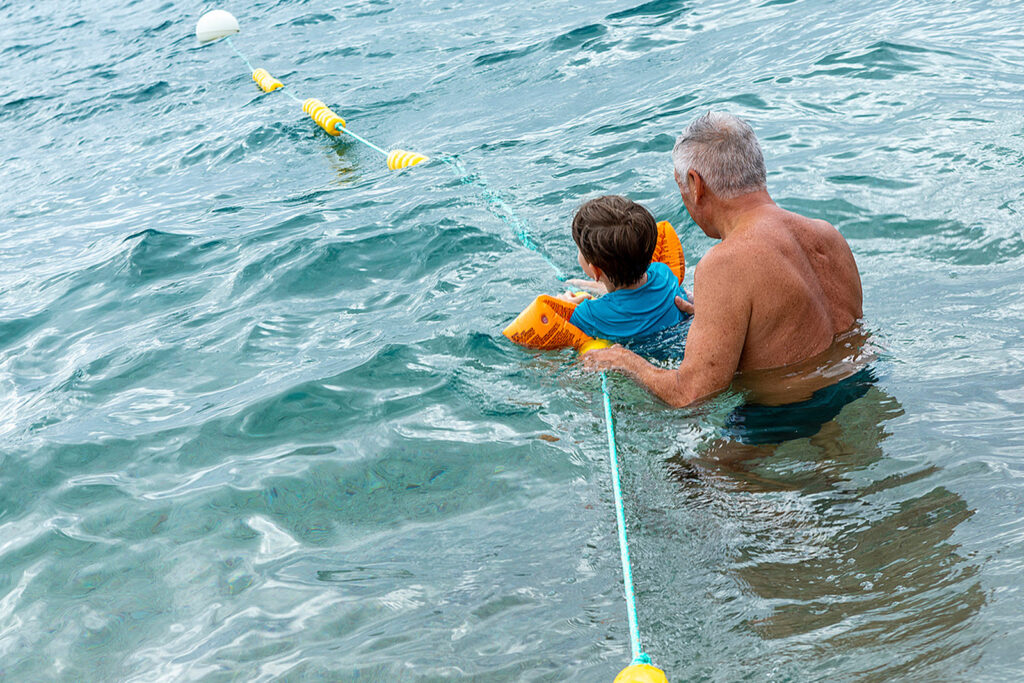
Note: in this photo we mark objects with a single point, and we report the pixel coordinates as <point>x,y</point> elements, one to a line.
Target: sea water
<point>258,421</point>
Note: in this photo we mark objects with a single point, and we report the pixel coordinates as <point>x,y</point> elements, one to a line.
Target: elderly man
<point>776,290</point>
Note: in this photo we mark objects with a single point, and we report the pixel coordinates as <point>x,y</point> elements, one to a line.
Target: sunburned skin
<point>777,290</point>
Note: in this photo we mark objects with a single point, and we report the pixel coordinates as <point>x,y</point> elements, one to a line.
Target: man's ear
<point>696,185</point>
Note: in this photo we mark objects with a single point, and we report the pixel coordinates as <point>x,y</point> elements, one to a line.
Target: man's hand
<point>661,383</point>
<point>597,288</point>
<point>713,346</point>
<point>684,306</point>
<point>613,358</point>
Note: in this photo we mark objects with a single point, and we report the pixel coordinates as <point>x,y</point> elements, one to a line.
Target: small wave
<point>582,37</point>
<point>504,55</point>
<point>662,9</point>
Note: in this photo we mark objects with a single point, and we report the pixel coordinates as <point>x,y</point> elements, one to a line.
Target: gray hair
<point>724,151</point>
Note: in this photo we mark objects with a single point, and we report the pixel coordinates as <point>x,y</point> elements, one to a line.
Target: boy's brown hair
<point>617,235</point>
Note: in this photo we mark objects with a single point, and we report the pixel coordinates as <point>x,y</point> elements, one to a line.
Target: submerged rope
<point>639,656</point>
<point>500,209</point>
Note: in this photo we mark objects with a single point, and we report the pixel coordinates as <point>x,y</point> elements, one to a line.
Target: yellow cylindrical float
<point>266,82</point>
<point>594,344</point>
<point>641,673</point>
<point>324,117</point>
<point>399,158</point>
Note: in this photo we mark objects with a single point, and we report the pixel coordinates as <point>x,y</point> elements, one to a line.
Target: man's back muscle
<point>801,282</point>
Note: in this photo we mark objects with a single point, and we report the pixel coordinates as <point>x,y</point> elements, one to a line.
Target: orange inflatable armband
<point>544,324</point>
<point>669,251</point>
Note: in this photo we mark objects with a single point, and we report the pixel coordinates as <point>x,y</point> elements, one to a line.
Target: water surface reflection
<point>843,556</point>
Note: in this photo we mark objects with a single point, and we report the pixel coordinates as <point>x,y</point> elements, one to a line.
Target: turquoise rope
<point>239,53</point>
<point>503,212</point>
<point>639,656</point>
<point>344,129</point>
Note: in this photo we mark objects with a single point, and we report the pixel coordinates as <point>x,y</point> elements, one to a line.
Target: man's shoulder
<point>821,229</point>
<point>725,268</point>
<point>818,236</point>
<point>781,229</point>
<point>724,255</point>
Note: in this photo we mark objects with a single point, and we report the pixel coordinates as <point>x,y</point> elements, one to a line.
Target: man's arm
<point>713,347</point>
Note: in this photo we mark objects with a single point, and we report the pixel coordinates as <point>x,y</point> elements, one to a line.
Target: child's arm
<point>592,286</point>
<point>573,297</point>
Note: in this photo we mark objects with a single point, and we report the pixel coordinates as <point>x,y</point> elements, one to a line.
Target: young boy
<point>616,238</point>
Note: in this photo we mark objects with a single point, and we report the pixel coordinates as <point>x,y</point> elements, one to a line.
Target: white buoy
<point>214,25</point>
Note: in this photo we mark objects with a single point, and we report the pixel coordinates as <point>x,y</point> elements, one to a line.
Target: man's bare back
<point>798,277</point>
<point>777,290</point>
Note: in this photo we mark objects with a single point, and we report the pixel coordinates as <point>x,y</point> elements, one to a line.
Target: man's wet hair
<point>723,149</point>
<point>617,235</point>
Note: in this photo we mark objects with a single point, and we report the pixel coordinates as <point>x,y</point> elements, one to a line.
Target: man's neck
<point>733,215</point>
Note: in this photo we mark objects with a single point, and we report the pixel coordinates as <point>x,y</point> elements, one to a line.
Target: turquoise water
<point>258,421</point>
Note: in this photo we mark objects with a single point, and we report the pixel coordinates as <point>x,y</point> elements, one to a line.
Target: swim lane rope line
<point>639,656</point>
<point>397,159</point>
<point>501,209</point>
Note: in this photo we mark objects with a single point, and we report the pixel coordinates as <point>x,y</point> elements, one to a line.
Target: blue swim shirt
<point>633,313</point>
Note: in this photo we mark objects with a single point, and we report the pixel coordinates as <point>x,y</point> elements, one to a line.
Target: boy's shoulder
<point>660,270</point>
<point>660,276</point>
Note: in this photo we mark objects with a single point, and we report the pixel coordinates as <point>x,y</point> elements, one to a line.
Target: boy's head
<point>616,235</point>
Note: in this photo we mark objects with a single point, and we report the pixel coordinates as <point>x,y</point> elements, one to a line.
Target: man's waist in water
<point>850,353</point>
